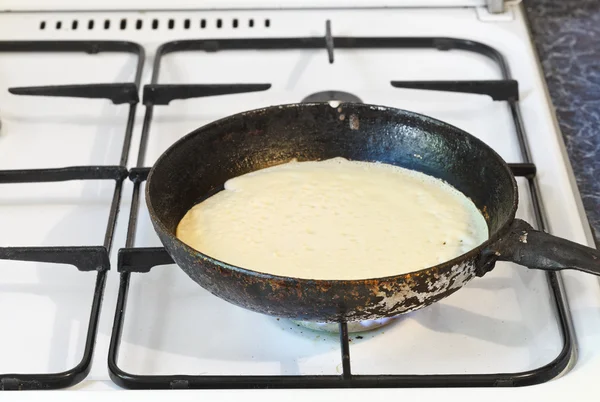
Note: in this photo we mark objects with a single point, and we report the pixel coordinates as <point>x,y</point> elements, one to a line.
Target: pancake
<point>334,219</point>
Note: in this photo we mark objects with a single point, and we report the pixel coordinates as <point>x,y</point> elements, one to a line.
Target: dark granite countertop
<point>567,37</point>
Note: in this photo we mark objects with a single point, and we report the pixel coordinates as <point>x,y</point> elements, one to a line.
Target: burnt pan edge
<point>330,300</point>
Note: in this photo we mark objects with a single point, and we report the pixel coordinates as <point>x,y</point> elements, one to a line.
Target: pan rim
<point>458,260</point>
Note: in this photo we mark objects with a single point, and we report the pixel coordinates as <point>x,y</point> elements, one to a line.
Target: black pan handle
<point>535,249</point>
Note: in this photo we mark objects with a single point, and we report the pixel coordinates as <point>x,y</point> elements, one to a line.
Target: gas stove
<point>88,101</point>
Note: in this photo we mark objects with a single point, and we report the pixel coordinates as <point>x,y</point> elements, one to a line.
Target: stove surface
<point>505,322</point>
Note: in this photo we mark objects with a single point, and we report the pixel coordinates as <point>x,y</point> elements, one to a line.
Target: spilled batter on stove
<point>334,219</point>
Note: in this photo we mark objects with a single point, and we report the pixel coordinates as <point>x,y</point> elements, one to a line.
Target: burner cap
<point>332,96</point>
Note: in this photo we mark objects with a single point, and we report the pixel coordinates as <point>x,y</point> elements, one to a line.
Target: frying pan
<point>198,165</point>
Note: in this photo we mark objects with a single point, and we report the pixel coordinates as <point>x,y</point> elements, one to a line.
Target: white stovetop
<point>97,129</point>
<point>94,5</point>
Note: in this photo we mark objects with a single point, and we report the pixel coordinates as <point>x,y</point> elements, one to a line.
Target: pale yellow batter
<point>334,219</point>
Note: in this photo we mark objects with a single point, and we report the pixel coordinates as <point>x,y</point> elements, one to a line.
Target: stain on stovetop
<point>567,37</point>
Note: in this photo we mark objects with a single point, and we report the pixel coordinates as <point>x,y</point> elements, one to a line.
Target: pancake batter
<point>334,219</point>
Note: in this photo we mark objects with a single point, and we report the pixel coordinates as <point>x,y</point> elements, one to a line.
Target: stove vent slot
<point>154,24</point>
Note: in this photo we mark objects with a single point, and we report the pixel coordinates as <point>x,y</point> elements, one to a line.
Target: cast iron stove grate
<point>141,260</point>
<point>92,258</point>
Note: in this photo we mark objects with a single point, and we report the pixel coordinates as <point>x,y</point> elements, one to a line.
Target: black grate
<point>140,260</point>
<point>92,258</point>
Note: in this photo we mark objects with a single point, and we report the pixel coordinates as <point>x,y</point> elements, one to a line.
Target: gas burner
<point>332,96</point>
<point>353,326</point>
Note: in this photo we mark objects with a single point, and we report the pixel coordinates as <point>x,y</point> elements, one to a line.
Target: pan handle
<point>535,249</point>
